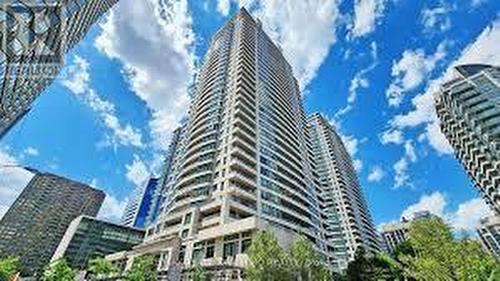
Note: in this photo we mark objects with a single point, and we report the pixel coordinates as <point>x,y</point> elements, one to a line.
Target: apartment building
<point>394,234</point>
<point>244,161</point>
<point>489,234</point>
<point>35,224</point>
<point>469,112</point>
<point>140,203</point>
<point>348,222</point>
<point>169,175</point>
<point>37,35</point>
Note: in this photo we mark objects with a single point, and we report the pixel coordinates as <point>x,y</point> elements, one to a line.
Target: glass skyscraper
<point>468,107</point>
<point>138,207</point>
<point>34,37</point>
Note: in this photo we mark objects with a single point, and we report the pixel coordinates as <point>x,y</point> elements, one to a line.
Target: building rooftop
<point>467,70</point>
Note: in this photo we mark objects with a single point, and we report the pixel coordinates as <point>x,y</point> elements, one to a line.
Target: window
<point>197,255</point>
<point>245,245</point>
<point>187,218</point>
<point>184,233</point>
<point>182,252</point>
<point>229,250</point>
<point>210,251</point>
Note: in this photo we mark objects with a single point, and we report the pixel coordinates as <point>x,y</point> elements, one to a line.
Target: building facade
<point>489,233</point>
<point>348,222</point>
<point>87,238</point>
<point>35,224</point>
<point>394,234</point>
<point>243,162</point>
<point>137,209</point>
<point>469,110</point>
<point>37,35</point>
<point>168,176</point>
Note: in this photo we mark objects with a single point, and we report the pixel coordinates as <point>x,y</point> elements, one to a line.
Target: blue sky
<point>370,66</point>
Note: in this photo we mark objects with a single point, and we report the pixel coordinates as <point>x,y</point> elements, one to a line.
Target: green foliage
<point>438,256</point>
<point>405,248</point>
<point>365,267</point>
<point>430,254</point>
<point>9,267</point>
<point>198,273</point>
<point>99,267</point>
<point>58,270</point>
<point>268,260</point>
<point>306,261</point>
<point>143,269</point>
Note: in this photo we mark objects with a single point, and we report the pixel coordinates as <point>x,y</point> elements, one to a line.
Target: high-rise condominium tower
<point>489,232</point>
<point>469,109</point>
<point>139,205</point>
<point>170,172</point>
<point>36,35</point>
<point>34,225</point>
<point>348,223</point>
<point>243,162</point>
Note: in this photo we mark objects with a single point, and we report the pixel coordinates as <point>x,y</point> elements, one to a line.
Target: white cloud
<point>31,151</point>
<point>424,112</point>
<point>435,203</point>
<point>112,209</point>
<point>437,139</point>
<point>359,81</point>
<point>12,180</point>
<point>469,213</point>
<point>366,14</point>
<point>401,177</point>
<point>484,49</point>
<point>477,3</point>
<point>376,174</point>
<point>437,18</point>
<point>305,46</point>
<point>78,83</point>
<point>392,136</point>
<point>357,164</point>
<point>154,41</point>
<point>411,70</point>
<point>410,151</point>
<point>464,218</point>
<point>137,172</point>
<point>223,7</point>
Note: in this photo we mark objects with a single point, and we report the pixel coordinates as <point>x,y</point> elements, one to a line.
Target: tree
<point>438,256</point>
<point>359,268</point>
<point>268,260</point>
<point>58,270</point>
<point>9,267</point>
<point>100,267</point>
<point>404,248</point>
<point>306,261</point>
<point>143,269</point>
<point>473,263</point>
<point>378,266</point>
